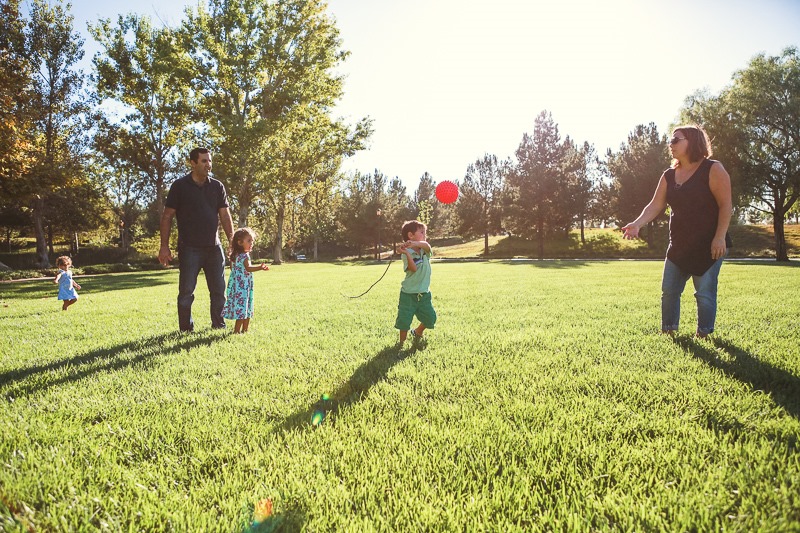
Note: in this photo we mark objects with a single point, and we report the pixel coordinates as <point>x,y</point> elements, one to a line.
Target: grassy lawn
<point>544,399</point>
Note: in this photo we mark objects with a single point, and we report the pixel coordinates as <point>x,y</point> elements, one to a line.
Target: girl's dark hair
<point>64,260</point>
<point>238,235</point>
<point>699,144</point>
<point>411,226</point>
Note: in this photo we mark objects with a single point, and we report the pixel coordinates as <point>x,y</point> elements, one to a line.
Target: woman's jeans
<point>705,287</point>
<point>212,260</point>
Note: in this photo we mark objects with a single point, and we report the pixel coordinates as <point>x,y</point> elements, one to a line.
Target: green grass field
<point>544,399</point>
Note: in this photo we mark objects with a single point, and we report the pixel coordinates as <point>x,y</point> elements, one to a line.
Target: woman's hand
<point>631,231</point>
<point>718,248</point>
<point>264,266</point>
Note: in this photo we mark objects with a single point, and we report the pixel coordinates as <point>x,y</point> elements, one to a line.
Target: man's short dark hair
<point>194,155</point>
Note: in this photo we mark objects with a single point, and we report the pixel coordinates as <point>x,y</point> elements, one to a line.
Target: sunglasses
<point>676,140</point>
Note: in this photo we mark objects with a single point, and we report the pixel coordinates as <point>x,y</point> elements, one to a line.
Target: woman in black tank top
<point>698,192</point>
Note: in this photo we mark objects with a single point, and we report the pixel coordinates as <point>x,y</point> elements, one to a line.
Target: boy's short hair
<point>411,226</point>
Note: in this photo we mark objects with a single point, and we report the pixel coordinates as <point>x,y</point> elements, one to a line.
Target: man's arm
<point>227,222</point>
<point>164,255</point>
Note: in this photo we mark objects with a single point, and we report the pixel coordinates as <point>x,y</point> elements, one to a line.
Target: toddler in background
<point>66,285</point>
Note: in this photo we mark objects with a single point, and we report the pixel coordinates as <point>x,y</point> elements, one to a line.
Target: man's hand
<point>164,255</point>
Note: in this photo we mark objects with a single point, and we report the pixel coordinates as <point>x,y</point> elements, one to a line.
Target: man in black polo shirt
<point>200,204</point>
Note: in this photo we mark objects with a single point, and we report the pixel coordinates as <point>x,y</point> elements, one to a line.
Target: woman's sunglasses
<point>676,140</point>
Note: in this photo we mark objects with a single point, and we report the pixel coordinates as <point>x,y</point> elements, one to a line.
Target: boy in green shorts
<point>415,296</point>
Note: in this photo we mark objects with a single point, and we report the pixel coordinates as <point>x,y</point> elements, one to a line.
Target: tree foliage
<point>764,102</point>
<point>635,170</point>
<point>143,70</point>
<point>266,80</point>
<point>51,106</point>
<point>479,209</point>
<point>533,187</point>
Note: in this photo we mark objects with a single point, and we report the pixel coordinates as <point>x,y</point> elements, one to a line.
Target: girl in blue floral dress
<point>66,285</point>
<point>239,302</point>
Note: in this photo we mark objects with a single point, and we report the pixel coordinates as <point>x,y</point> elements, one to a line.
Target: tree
<point>532,184</point>
<point>144,69</point>
<point>52,106</point>
<point>712,113</point>
<point>15,123</point>
<point>265,75</point>
<point>301,150</point>
<point>603,204</point>
<point>581,177</point>
<point>363,196</point>
<point>479,210</point>
<point>764,105</point>
<point>635,171</point>
<point>226,41</point>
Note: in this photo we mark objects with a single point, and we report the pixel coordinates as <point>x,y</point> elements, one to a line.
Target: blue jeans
<point>705,292</point>
<point>212,260</point>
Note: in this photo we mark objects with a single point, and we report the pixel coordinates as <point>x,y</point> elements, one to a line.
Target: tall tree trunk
<point>486,244</point>
<point>241,215</point>
<point>781,252</point>
<point>245,200</point>
<point>280,216</point>
<point>540,231</point>
<point>42,259</point>
<point>316,247</point>
<point>583,236</point>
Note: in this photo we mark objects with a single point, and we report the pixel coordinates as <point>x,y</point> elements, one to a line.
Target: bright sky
<point>447,81</point>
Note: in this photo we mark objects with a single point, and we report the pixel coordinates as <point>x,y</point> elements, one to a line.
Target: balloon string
<point>370,287</point>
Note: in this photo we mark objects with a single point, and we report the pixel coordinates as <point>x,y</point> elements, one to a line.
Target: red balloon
<point>447,192</point>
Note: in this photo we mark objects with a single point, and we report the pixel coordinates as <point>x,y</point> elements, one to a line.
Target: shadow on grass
<point>782,386</point>
<point>354,389</point>
<point>90,283</point>
<point>26,381</point>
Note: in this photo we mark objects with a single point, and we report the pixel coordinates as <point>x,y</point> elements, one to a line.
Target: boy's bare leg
<point>419,329</point>
<point>403,335</point>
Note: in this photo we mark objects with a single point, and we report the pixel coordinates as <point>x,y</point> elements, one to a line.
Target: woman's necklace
<point>688,173</point>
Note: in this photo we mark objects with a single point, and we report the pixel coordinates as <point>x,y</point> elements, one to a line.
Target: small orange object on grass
<point>263,510</point>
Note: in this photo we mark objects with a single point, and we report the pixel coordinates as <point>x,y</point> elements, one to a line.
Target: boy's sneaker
<point>414,336</point>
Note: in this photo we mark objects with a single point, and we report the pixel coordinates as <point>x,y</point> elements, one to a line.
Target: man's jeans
<point>705,286</point>
<point>212,260</point>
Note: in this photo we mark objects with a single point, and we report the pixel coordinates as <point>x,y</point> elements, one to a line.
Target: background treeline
<point>258,81</point>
